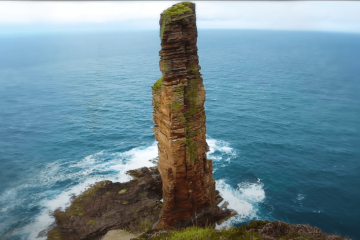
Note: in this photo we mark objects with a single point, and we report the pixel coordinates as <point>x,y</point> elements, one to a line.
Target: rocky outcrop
<point>189,191</point>
<point>134,206</point>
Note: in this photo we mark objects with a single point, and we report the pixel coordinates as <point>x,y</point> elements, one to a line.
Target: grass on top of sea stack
<point>178,9</point>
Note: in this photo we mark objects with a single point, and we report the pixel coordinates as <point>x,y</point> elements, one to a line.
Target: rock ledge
<point>133,206</point>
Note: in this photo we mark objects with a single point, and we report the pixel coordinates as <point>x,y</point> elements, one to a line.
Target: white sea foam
<point>122,162</point>
<point>137,158</point>
<point>244,200</point>
<point>300,197</point>
<point>220,151</point>
<point>60,201</point>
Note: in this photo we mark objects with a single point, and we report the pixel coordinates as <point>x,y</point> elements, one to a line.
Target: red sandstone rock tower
<point>178,99</point>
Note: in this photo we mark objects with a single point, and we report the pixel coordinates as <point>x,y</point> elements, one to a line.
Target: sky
<point>32,16</point>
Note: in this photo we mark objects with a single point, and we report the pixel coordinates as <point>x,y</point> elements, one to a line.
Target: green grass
<point>177,9</point>
<point>276,230</point>
<point>145,225</point>
<point>158,84</point>
<point>208,233</point>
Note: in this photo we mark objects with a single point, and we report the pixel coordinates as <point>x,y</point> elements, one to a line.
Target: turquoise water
<point>283,122</point>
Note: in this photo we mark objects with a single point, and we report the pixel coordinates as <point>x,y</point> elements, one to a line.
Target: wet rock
<point>224,205</point>
<point>133,206</point>
<point>44,232</point>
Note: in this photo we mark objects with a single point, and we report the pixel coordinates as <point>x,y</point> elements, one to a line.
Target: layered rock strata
<point>134,206</point>
<point>189,191</point>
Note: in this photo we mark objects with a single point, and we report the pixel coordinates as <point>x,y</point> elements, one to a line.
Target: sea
<point>283,122</point>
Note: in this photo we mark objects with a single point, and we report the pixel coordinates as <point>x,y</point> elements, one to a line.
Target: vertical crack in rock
<point>189,191</point>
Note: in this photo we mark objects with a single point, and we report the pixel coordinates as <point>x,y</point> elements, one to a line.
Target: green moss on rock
<point>158,84</point>
<point>191,146</point>
<point>181,118</point>
<point>165,20</point>
<point>192,93</point>
<point>179,89</point>
<point>122,191</point>
<point>166,65</point>
<point>175,106</point>
<point>54,234</point>
<point>77,206</point>
<point>177,9</point>
<point>92,222</point>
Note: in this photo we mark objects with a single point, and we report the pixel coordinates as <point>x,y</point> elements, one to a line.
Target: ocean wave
<point>91,169</point>
<point>246,197</point>
<point>244,200</point>
<point>105,165</point>
<point>220,152</point>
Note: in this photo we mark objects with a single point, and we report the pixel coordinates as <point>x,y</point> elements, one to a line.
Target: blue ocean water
<point>283,122</point>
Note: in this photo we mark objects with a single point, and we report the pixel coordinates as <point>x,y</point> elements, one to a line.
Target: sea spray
<point>244,200</point>
<point>246,197</point>
<point>113,166</point>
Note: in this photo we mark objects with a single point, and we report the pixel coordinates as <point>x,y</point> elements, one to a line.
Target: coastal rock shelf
<point>189,190</point>
<point>134,206</point>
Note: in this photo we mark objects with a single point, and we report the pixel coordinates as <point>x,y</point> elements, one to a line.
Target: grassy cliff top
<point>255,230</point>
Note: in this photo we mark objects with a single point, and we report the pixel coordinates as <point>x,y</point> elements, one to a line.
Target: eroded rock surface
<point>134,206</point>
<point>189,191</point>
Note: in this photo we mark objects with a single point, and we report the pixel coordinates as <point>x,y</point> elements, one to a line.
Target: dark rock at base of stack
<point>134,206</point>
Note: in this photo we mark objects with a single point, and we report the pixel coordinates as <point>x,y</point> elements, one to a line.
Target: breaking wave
<point>113,166</point>
<point>246,197</point>
<point>91,169</point>
<point>244,200</point>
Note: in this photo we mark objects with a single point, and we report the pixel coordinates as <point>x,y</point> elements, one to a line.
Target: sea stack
<point>189,193</point>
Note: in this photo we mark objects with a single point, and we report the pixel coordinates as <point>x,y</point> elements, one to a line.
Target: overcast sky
<point>30,16</point>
